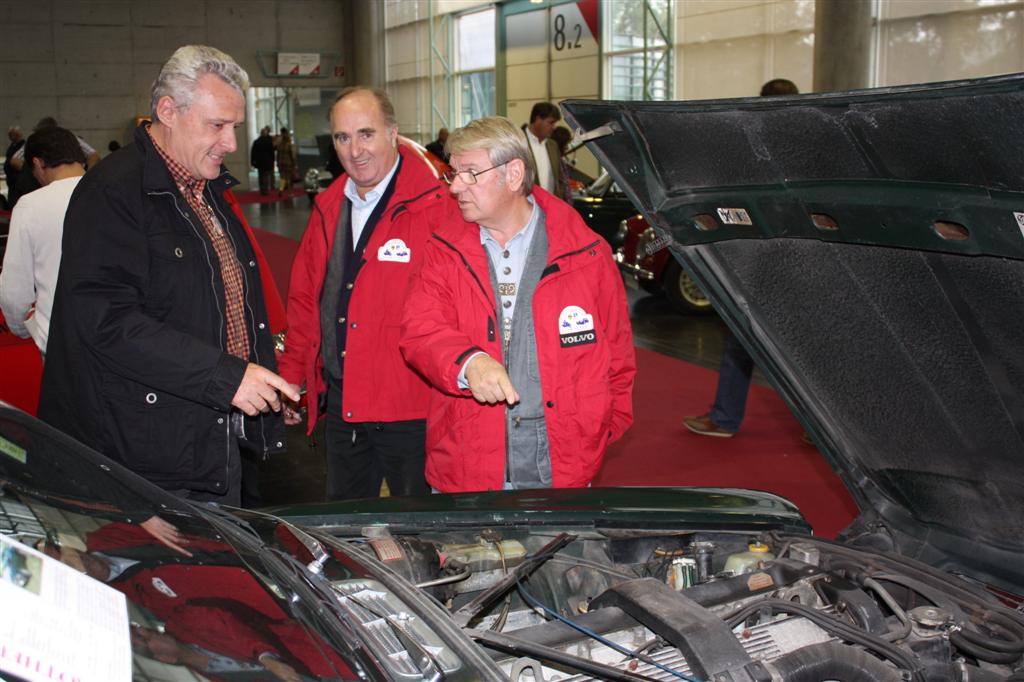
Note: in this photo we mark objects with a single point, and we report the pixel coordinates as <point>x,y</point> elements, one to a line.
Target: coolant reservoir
<point>485,556</point>
<point>745,562</point>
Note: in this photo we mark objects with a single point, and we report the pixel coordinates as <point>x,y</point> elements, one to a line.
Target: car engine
<point>728,607</point>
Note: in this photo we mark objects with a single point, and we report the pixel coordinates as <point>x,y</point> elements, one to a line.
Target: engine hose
<point>980,652</point>
<point>1009,644</point>
<point>901,615</point>
<point>973,643</point>
<point>833,661</point>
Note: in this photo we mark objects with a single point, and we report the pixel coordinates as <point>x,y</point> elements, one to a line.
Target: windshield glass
<point>217,607</point>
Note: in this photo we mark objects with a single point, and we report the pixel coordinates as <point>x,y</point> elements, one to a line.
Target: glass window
<point>476,96</point>
<point>638,61</point>
<point>474,34</point>
<point>476,41</point>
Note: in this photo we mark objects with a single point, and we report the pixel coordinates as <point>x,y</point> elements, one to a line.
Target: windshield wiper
<point>482,601</point>
<point>515,646</point>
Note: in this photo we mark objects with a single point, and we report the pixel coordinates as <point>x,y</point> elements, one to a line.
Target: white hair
<point>502,140</point>
<point>180,75</point>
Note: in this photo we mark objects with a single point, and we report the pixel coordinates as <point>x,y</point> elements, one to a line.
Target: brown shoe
<point>705,427</point>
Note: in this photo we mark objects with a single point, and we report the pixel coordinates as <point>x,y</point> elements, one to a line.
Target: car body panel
<point>666,507</point>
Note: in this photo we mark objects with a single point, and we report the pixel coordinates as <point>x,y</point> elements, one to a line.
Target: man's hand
<point>166,533</point>
<point>258,391</point>
<point>292,416</point>
<point>488,381</point>
<point>279,669</point>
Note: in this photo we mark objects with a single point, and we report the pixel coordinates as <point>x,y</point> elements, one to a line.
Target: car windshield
<point>233,601</point>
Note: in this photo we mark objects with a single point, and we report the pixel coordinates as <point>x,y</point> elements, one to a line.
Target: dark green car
<point>867,247</point>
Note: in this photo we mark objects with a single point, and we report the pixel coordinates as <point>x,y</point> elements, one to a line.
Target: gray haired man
<point>160,353</point>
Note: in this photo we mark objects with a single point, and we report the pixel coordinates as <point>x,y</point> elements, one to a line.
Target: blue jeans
<point>733,386</point>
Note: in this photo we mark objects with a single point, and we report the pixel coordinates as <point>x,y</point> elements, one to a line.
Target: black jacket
<point>136,366</point>
<point>261,156</point>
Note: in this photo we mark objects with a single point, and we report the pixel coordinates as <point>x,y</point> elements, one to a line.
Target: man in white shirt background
<point>546,155</point>
<point>29,275</point>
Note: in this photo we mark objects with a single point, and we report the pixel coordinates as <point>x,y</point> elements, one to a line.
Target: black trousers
<point>266,180</point>
<point>362,454</point>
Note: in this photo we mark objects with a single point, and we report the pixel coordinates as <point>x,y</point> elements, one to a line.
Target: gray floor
<point>299,475</point>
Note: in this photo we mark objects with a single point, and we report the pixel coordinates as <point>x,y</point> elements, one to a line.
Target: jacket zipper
<point>209,263</point>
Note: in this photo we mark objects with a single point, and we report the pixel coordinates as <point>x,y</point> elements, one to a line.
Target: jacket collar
<point>157,178</point>
<point>567,233</point>
<point>415,187</point>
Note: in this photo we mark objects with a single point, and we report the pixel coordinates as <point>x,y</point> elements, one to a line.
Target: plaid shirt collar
<point>179,174</point>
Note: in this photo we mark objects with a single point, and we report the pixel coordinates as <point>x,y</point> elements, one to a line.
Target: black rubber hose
<point>833,661</point>
<point>980,652</point>
<point>1010,644</point>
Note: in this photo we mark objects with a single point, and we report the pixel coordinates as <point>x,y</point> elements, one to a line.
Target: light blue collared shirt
<point>363,207</point>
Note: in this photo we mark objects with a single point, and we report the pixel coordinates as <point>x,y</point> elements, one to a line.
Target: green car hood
<point>867,248</point>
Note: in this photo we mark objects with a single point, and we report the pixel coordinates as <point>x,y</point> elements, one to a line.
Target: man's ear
<point>515,170</point>
<point>166,111</point>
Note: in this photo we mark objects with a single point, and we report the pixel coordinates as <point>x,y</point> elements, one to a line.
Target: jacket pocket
<point>173,275</point>
<point>152,432</point>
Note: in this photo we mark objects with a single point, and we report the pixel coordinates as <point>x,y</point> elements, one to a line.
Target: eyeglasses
<point>467,177</point>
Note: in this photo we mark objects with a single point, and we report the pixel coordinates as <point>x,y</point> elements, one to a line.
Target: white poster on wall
<point>298,64</point>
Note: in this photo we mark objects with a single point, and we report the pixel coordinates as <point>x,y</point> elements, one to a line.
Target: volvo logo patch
<point>394,251</point>
<point>575,327</point>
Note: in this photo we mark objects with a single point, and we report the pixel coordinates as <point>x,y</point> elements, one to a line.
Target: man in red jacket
<point>348,285</point>
<point>518,319</point>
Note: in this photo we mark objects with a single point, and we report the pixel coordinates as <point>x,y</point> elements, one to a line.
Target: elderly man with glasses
<point>518,319</point>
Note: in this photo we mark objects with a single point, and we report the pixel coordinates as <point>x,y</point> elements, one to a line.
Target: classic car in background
<point>603,206</point>
<point>645,257</point>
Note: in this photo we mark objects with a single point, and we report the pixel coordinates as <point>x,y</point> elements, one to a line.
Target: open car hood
<point>867,248</point>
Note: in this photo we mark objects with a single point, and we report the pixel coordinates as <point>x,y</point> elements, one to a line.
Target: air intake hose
<point>832,661</point>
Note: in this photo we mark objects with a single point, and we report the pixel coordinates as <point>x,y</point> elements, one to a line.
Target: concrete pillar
<point>367,44</point>
<point>842,44</point>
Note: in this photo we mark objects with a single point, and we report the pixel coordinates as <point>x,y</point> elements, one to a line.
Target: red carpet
<point>279,252</point>
<point>767,454</point>
<point>21,370</point>
<point>257,198</point>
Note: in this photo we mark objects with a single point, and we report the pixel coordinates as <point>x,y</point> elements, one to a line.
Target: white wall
<point>729,48</point>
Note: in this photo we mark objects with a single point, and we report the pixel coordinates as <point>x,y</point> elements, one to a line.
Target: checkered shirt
<point>230,270</point>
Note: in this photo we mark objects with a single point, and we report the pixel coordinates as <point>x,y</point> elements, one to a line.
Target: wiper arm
<point>223,515</point>
<point>520,647</point>
<point>312,545</point>
<point>482,601</point>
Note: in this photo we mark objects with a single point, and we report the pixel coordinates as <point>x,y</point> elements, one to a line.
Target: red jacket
<point>378,385</point>
<point>587,386</point>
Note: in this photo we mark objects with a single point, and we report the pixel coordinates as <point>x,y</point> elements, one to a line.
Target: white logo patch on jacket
<point>394,250</point>
<point>164,588</point>
<point>575,327</point>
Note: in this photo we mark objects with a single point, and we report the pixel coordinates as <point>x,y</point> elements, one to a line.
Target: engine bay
<point>724,606</point>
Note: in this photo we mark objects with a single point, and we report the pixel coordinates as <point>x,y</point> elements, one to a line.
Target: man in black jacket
<point>160,354</point>
<point>261,156</point>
